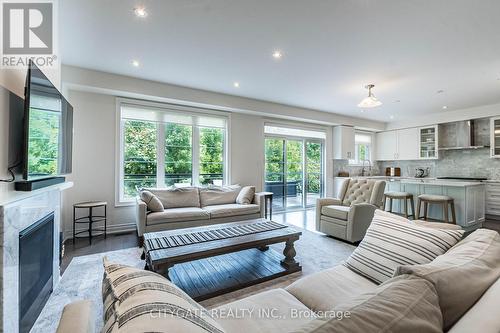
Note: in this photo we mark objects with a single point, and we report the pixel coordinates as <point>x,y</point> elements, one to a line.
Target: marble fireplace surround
<point>19,210</point>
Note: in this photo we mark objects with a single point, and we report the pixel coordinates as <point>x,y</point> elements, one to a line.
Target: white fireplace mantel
<point>19,210</point>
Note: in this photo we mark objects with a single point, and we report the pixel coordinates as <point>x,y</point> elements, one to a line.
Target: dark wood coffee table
<point>206,268</point>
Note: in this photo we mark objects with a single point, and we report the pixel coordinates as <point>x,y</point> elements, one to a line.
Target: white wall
<point>247,150</point>
<point>94,159</point>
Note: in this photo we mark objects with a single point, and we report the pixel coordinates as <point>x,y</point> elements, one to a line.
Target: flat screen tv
<point>48,129</point>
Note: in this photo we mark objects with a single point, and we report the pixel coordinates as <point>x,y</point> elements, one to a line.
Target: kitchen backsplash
<point>458,163</point>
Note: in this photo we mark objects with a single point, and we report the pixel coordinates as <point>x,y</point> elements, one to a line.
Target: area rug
<point>82,279</point>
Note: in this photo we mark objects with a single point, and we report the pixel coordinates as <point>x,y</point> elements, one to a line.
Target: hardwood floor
<point>303,219</point>
<point>99,244</point>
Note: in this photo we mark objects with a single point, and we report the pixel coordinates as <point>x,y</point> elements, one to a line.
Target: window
<point>166,146</point>
<point>362,148</point>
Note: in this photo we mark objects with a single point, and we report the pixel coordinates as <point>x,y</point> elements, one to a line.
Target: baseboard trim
<point>111,229</point>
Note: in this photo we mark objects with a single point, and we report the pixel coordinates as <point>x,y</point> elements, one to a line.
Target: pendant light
<point>371,101</point>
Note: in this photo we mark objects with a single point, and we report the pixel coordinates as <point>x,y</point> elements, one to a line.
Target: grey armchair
<point>349,216</point>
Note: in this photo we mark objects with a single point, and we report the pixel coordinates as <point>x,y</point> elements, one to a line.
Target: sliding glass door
<point>294,171</point>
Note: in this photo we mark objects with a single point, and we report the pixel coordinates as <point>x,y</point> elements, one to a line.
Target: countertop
<point>426,181</point>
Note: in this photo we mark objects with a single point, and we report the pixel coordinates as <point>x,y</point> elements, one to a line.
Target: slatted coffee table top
<point>182,237</point>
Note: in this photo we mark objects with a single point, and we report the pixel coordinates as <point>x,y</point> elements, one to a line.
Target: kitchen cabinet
<point>495,137</point>
<point>428,141</point>
<point>398,145</point>
<point>493,199</point>
<point>387,146</point>
<point>343,143</point>
<point>408,144</point>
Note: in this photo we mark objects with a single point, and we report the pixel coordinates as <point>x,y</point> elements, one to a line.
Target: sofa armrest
<point>258,199</point>
<point>324,202</point>
<point>141,212</point>
<point>77,317</point>
<point>359,219</point>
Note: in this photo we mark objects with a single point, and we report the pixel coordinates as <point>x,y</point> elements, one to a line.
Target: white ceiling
<point>409,49</point>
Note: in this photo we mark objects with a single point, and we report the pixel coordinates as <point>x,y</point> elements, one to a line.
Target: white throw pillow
<point>246,195</point>
<point>390,243</point>
<point>154,204</point>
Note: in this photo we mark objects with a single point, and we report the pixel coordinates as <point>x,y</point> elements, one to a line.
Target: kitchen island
<point>469,196</point>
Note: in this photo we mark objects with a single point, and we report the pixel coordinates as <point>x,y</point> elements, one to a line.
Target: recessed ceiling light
<point>277,54</point>
<point>236,84</point>
<point>391,116</point>
<point>140,12</point>
<point>135,63</point>
<point>444,107</point>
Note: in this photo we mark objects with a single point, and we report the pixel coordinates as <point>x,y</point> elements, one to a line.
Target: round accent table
<point>90,219</point>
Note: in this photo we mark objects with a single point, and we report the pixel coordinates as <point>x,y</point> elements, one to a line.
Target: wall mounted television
<point>48,133</point>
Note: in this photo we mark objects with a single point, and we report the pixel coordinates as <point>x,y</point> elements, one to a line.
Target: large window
<point>164,146</point>
<point>362,148</point>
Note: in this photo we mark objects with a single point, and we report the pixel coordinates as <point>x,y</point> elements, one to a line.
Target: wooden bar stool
<point>405,196</point>
<point>446,201</point>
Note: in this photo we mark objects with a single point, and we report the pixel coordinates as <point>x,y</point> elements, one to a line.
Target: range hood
<point>468,134</point>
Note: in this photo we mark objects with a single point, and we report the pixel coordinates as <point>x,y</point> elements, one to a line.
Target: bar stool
<point>446,201</point>
<point>90,219</point>
<point>405,196</point>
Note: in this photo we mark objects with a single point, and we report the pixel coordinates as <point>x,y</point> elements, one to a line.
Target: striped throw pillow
<point>136,300</point>
<point>390,242</point>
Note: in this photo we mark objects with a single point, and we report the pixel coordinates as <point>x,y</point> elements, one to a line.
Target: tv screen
<point>48,128</point>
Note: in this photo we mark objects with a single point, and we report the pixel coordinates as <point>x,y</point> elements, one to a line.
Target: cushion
<point>404,304</point>
<point>279,306</point>
<point>245,197</point>
<point>399,195</point>
<point>173,197</point>
<point>177,215</point>
<point>218,211</point>
<point>434,197</point>
<point>359,191</point>
<point>219,195</point>
<point>390,243</point>
<point>154,204</point>
<point>463,274</point>
<point>484,312</point>
<point>77,317</point>
<point>136,300</point>
<point>324,290</point>
<point>338,212</point>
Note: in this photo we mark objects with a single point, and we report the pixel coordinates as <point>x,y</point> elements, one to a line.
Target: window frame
<point>356,161</point>
<point>195,112</point>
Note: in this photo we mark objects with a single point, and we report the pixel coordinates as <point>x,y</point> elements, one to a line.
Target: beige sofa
<point>412,306</point>
<point>348,216</point>
<point>192,207</point>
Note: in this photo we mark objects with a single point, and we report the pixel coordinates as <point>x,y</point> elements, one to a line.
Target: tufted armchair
<point>349,216</point>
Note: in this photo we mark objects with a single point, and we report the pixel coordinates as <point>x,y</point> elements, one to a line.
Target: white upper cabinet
<point>343,143</point>
<point>428,141</point>
<point>495,137</point>
<point>387,146</point>
<point>398,145</point>
<point>408,144</point>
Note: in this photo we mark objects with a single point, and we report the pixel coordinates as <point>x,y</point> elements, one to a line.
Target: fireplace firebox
<point>36,256</point>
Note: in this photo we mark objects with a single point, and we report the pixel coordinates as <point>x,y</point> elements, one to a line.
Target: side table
<point>90,219</point>
<point>268,204</point>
